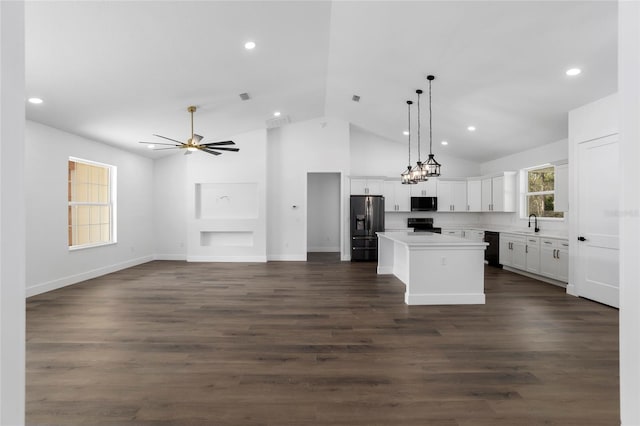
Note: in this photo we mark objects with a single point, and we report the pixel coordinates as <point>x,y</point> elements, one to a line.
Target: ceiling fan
<point>193,143</point>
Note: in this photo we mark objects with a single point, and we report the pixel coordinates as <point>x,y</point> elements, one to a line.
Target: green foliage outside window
<point>540,192</point>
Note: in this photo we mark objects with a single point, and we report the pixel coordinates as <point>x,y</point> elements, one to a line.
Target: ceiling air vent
<point>278,121</point>
<point>355,98</point>
<point>244,96</point>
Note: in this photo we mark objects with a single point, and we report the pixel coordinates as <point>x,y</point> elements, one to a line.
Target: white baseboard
<point>385,270</point>
<point>323,249</point>
<point>572,290</point>
<point>346,258</point>
<point>535,276</point>
<point>83,276</point>
<point>165,256</point>
<point>445,299</point>
<point>287,258</point>
<point>258,259</point>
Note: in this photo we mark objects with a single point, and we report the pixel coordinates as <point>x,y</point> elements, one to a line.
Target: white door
<point>445,201</point>
<point>487,196</point>
<point>474,195</point>
<point>459,196</point>
<point>597,275</point>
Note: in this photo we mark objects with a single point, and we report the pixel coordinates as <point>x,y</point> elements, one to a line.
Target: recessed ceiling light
<point>471,128</point>
<point>276,114</point>
<point>249,45</point>
<point>444,143</point>
<point>406,133</point>
<point>35,100</point>
<point>573,71</point>
<point>151,146</point>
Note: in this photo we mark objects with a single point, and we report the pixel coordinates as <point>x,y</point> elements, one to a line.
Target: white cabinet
<point>473,234</point>
<point>427,188</point>
<point>499,193</point>
<point>397,196</point>
<point>512,251</point>
<point>452,232</point>
<point>452,196</point>
<point>474,195</point>
<point>532,251</point>
<point>561,188</point>
<point>367,186</point>
<point>554,258</point>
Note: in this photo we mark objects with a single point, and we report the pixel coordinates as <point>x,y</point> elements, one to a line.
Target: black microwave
<point>424,204</point>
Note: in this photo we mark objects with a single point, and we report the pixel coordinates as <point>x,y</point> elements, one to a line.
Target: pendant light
<point>418,173</point>
<point>432,167</point>
<point>407,174</point>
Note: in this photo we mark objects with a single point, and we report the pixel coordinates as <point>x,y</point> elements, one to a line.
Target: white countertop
<point>416,239</point>
<point>509,230</point>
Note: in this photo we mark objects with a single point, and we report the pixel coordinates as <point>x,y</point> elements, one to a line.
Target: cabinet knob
<point>581,238</point>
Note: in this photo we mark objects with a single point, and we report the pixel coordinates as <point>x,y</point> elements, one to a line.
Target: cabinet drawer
<point>533,241</point>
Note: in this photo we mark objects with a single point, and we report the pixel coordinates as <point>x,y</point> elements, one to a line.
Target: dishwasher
<point>492,253</point>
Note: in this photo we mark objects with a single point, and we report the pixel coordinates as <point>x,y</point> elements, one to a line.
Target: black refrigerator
<point>367,218</point>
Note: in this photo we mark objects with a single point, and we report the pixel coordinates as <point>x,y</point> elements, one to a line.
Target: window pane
<point>542,206</point>
<point>84,217</point>
<point>82,236</point>
<point>105,236</point>
<point>541,180</point>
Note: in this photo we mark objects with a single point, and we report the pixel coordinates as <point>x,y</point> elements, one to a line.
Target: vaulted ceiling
<point>118,72</point>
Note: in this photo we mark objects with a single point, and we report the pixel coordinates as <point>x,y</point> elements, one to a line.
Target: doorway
<point>323,214</point>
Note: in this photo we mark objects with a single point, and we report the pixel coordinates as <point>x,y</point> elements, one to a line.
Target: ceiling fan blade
<point>197,138</point>
<point>159,143</point>
<point>160,149</point>
<point>219,143</point>
<point>224,149</point>
<point>169,139</point>
<point>210,152</point>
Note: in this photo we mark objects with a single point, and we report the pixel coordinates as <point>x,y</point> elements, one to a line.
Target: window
<point>539,192</point>
<point>90,203</point>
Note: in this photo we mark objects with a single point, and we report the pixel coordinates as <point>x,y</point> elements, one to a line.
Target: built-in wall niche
<point>226,200</point>
<point>226,238</point>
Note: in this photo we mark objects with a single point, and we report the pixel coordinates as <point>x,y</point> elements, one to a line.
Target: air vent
<point>277,121</point>
<point>355,98</point>
<point>244,96</point>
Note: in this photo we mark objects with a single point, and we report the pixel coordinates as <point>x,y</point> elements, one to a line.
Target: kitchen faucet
<point>535,223</point>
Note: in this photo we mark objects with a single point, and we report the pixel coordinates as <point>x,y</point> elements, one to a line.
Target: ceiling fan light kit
<point>422,171</point>
<point>194,142</point>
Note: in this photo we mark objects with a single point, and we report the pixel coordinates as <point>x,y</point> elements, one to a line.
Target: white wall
<point>323,218</point>
<point>318,145</point>
<point>550,153</point>
<point>12,209</point>
<point>373,155</point>
<point>50,264</point>
<point>242,235</point>
<point>629,91</point>
<point>170,207</point>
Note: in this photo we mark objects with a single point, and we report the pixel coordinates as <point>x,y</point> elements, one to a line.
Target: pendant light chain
<point>409,128</point>
<point>430,119</point>
<point>419,92</point>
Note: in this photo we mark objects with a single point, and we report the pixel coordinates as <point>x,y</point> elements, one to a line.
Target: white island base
<point>436,269</point>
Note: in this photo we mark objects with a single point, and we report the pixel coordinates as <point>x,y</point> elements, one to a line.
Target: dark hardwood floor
<point>317,343</point>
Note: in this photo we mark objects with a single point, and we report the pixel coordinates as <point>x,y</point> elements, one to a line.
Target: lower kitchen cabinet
<point>532,250</point>
<point>453,232</point>
<point>554,259</point>
<point>513,251</point>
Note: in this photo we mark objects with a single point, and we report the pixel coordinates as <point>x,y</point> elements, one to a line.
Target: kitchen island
<point>436,269</point>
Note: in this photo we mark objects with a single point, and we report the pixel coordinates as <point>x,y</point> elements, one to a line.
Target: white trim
<point>88,246</point>
<point>83,276</point>
<point>323,249</point>
<point>166,256</point>
<point>260,259</point>
<point>445,299</point>
<point>535,276</point>
<point>385,270</point>
<point>287,258</point>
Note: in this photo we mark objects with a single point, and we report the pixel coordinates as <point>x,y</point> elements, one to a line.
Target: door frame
<point>341,180</point>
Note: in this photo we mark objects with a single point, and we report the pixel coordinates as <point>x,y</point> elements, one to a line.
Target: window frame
<point>525,194</point>
<point>111,204</point>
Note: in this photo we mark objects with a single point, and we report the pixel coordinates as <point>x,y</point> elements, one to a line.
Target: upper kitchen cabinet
<point>397,196</point>
<point>474,195</point>
<point>499,193</point>
<point>425,189</point>
<point>367,186</point>
<point>452,195</point>
<point>561,188</point>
